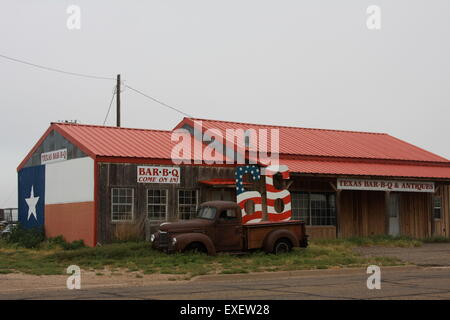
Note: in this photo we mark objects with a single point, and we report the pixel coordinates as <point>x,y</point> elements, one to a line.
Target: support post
<point>338,213</point>
<point>387,196</point>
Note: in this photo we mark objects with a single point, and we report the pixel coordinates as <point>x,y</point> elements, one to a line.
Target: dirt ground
<point>18,282</point>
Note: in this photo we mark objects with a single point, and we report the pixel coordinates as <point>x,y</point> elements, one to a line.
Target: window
<point>316,209</point>
<point>323,210</point>
<point>156,204</point>
<point>206,213</point>
<point>228,214</point>
<point>122,204</point>
<point>437,207</point>
<point>187,204</point>
<point>300,206</point>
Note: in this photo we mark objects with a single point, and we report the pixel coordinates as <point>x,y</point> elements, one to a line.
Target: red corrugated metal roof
<point>115,142</point>
<point>332,143</point>
<point>366,169</point>
<point>127,143</point>
<point>311,151</point>
<point>119,142</point>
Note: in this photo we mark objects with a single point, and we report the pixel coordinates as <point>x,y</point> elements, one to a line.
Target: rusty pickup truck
<point>218,227</point>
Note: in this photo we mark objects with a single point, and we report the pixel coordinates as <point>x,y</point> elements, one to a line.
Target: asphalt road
<point>396,283</point>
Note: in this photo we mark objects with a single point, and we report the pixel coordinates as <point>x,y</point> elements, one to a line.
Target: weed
<point>26,237</point>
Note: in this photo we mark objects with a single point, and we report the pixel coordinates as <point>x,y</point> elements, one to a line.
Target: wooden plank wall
<point>125,175</point>
<point>415,214</point>
<point>321,232</point>
<point>442,226</point>
<point>362,213</point>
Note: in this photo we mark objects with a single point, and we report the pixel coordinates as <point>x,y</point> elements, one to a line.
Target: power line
<point>8,198</point>
<point>110,104</point>
<point>94,77</point>
<point>56,70</point>
<point>160,102</point>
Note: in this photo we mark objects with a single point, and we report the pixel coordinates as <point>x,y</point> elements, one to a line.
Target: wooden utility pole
<point>118,100</point>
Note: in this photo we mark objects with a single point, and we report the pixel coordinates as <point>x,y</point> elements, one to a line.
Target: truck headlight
<point>152,237</point>
<point>174,241</point>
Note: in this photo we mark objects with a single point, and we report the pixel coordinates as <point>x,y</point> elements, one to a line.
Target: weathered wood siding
<point>415,214</point>
<point>442,226</point>
<point>54,141</point>
<point>321,232</point>
<point>111,175</point>
<point>361,213</point>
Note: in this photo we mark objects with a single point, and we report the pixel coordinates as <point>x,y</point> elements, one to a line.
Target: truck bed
<point>255,233</point>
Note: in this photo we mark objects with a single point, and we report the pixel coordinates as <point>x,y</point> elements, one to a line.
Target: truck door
<point>228,231</point>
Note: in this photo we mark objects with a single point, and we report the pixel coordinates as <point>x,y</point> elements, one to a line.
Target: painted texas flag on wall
<point>59,196</point>
<point>32,196</point>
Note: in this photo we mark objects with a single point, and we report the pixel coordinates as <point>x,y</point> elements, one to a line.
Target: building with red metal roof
<point>338,152</point>
<point>89,182</point>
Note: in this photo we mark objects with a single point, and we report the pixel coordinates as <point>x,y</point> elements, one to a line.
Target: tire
<point>282,246</point>
<point>195,247</point>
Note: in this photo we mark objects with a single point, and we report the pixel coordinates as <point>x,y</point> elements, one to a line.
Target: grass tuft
<point>376,240</point>
<point>436,239</point>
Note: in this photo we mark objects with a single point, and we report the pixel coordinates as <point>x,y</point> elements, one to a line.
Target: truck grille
<point>163,239</point>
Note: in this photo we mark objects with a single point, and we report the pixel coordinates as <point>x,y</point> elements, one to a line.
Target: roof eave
<point>54,126</point>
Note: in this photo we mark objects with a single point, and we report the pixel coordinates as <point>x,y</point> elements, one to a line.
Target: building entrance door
<point>394,209</point>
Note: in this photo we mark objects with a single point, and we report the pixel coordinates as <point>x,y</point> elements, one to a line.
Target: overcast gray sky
<point>299,63</point>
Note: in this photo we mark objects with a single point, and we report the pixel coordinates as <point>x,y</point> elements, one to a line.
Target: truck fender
<point>274,236</point>
<point>183,240</point>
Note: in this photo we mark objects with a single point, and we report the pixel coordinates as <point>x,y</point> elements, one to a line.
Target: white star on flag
<point>31,202</point>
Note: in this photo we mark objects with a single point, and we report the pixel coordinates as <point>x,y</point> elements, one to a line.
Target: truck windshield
<point>206,213</point>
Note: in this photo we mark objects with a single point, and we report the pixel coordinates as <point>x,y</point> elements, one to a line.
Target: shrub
<point>26,237</point>
<point>74,245</point>
<point>56,242</point>
<point>61,242</point>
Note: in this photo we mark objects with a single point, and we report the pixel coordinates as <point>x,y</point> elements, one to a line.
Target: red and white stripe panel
<point>254,196</point>
<point>273,194</point>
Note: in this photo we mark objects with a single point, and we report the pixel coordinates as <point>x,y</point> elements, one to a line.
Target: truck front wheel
<point>282,246</point>
<point>195,247</point>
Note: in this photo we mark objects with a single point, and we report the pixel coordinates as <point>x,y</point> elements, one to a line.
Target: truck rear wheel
<point>282,246</point>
